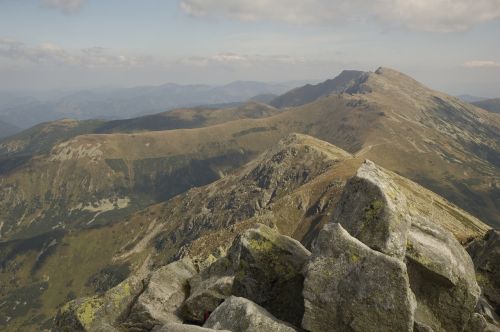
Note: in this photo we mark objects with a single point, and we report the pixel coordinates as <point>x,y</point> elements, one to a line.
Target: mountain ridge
<point>387,117</point>
<point>492,105</point>
<point>309,93</point>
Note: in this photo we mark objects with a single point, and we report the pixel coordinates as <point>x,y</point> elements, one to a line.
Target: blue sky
<point>451,45</point>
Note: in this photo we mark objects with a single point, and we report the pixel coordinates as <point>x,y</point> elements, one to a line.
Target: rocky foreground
<point>383,263</point>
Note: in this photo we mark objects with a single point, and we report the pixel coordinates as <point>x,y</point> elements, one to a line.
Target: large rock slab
<point>177,327</point>
<point>242,315</point>
<point>167,289</point>
<point>478,323</point>
<point>374,210</point>
<point>441,276</point>
<point>351,287</point>
<point>399,218</point>
<point>99,313</point>
<point>485,253</point>
<point>268,272</point>
<point>209,289</point>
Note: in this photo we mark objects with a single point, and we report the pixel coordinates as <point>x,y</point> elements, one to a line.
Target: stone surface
<point>385,212</point>
<point>239,314</point>
<point>167,289</point>
<point>441,276</point>
<point>421,327</point>
<point>208,290</point>
<point>485,253</point>
<point>485,308</point>
<point>269,272</point>
<point>350,287</point>
<point>373,209</point>
<point>177,327</point>
<point>478,323</point>
<point>99,313</point>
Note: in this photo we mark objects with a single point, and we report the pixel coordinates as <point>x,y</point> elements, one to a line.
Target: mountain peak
<point>309,93</point>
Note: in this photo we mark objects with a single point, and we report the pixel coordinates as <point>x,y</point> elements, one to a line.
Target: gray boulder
<point>100,312</point>
<point>269,272</point>
<point>485,308</point>
<point>441,276</point>
<point>208,290</point>
<point>350,287</point>
<point>485,253</point>
<point>177,327</point>
<point>242,315</point>
<point>397,217</point>
<point>478,323</point>
<point>167,289</point>
<point>373,209</point>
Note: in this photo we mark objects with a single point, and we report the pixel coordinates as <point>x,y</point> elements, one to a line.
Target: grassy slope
<point>435,139</point>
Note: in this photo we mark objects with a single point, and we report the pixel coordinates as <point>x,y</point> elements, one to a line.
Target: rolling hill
<point>7,129</point>
<point>492,105</point>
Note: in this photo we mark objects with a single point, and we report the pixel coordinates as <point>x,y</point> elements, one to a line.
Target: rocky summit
<point>380,263</point>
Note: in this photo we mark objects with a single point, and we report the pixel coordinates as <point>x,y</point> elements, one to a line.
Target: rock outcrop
<point>208,290</point>
<point>240,314</point>
<point>350,287</point>
<point>263,266</point>
<point>485,253</point>
<point>441,276</point>
<point>380,209</point>
<point>99,313</point>
<point>374,210</point>
<point>167,289</point>
<point>478,323</point>
<point>269,272</point>
<point>177,327</point>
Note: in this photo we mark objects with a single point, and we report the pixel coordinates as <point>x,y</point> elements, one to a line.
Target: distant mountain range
<point>492,105</point>
<point>6,129</point>
<point>110,104</point>
<point>470,98</point>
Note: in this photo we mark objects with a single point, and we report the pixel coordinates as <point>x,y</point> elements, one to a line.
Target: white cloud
<point>66,6</point>
<point>234,59</point>
<point>426,15</point>
<point>48,53</point>
<point>481,64</point>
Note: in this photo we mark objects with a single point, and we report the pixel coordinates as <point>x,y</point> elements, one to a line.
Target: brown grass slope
<point>100,173</point>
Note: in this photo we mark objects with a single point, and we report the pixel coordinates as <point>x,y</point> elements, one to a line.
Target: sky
<point>450,45</point>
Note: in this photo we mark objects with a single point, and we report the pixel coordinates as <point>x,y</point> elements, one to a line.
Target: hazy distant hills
<point>492,105</point>
<point>471,99</point>
<point>7,129</point>
<point>110,104</point>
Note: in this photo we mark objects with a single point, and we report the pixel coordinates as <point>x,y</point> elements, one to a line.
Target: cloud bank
<point>48,53</point>
<point>66,6</point>
<point>481,64</point>
<point>424,15</point>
